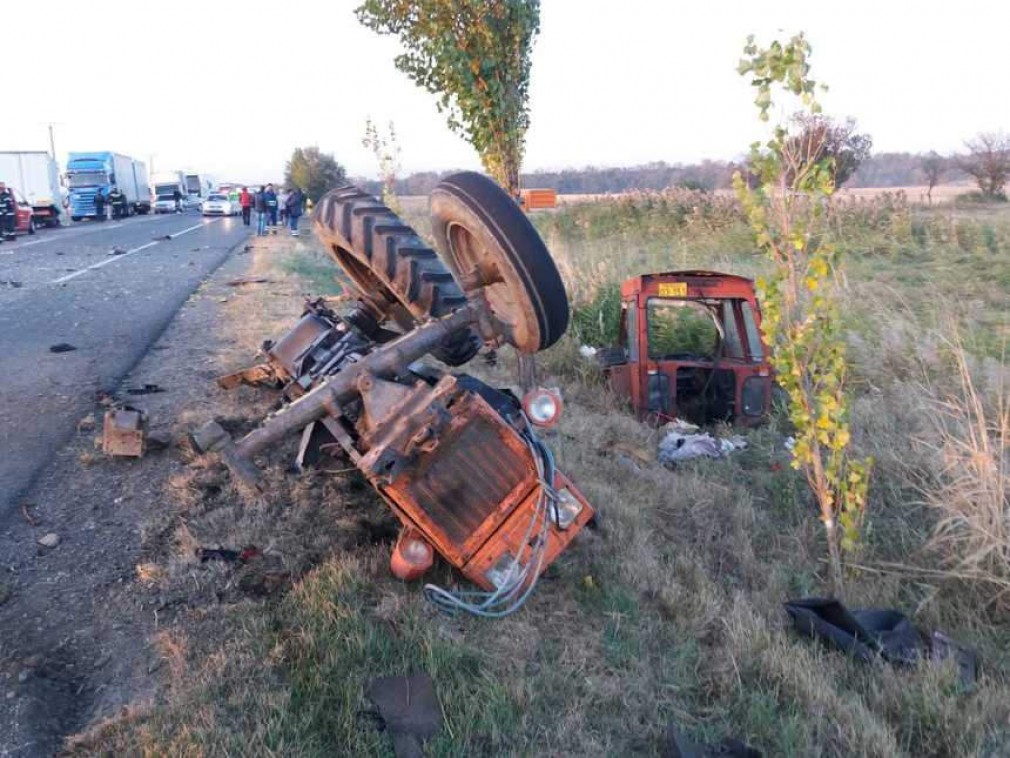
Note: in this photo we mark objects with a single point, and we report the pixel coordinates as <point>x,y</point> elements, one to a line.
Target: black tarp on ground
<point>871,633</point>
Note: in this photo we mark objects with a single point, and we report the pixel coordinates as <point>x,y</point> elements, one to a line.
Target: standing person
<point>116,200</point>
<point>245,199</point>
<point>8,213</point>
<point>177,196</point>
<point>282,206</point>
<point>270,198</point>
<point>295,207</point>
<point>99,206</point>
<point>262,214</point>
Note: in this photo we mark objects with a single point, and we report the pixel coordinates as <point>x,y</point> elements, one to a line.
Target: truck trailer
<point>198,186</point>
<point>37,177</point>
<point>97,172</point>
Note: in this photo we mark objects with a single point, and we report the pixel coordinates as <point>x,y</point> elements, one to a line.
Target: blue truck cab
<point>89,174</point>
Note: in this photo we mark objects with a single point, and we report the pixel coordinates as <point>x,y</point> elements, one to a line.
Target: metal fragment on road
<point>124,432</point>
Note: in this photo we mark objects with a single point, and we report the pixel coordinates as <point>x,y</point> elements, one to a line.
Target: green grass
<point>316,271</point>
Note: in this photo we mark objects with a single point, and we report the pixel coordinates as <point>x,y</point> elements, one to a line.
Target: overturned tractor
<point>458,461</point>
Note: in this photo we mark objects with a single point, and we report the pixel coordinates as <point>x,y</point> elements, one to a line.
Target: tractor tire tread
<point>352,224</point>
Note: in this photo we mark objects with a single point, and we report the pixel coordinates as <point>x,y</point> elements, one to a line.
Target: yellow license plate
<point>673,289</point>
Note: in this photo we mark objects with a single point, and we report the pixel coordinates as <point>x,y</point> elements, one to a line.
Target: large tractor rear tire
<point>391,266</point>
<point>490,245</point>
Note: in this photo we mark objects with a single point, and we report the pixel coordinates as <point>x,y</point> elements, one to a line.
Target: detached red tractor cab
<point>689,346</point>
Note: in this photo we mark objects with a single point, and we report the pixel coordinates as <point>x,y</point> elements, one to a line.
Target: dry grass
<point>671,610</point>
<point>972,492</point>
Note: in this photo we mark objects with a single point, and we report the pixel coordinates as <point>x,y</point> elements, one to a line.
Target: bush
<point>596,322</point>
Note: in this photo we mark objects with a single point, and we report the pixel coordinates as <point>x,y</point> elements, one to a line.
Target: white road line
<point>120,257</point>
<point>106,262</point>
<point>69,233</point>
<point>195,226</point>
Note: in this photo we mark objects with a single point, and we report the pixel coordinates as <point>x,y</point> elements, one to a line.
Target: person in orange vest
<point>245,200</point>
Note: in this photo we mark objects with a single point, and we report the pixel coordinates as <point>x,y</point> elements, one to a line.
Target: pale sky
<point>230,88</point>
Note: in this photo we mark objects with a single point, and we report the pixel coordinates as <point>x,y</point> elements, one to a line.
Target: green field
<point>671,612</point>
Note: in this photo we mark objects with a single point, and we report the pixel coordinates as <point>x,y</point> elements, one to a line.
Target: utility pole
<point>52,142</point>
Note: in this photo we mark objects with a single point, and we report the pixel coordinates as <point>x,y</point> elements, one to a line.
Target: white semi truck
<point>37,177</point>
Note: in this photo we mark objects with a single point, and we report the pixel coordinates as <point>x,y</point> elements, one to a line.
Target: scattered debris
<point>87,424</point>
<point>123,433</point>
<point>677,446</point>
<point>50,540</point>
<point>228,556</point>
<point>117,251</point>
<point>679,746</point>
<point>32,521</point>
<point>10,283</point>
<point>147,389</point>
<point>410,710</point>
<point>872,633</point>
<point>588,352</point>
<point>241,281</point>
<point>157,441</point>
<point>61,347</point>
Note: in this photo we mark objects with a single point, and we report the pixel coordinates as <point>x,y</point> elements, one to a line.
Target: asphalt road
<point>64,286</point>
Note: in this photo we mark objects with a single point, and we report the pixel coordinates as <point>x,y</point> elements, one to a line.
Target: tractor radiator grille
<point>468,476</point>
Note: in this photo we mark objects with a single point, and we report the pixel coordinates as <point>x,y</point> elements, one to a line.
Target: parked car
<point>164,204</point>
<point>219,205</point>
<point>24,215</point>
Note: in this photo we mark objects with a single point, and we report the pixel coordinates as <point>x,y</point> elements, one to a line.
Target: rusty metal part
<point>385,362</point>
<point>262,374</point>
<point>124,432</point>
<point>317,346</point>
<point>461,490</point>
<point>506,540</point>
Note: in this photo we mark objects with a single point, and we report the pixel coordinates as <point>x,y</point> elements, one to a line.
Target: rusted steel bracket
<point>124,432</point>
<point>385,362</point>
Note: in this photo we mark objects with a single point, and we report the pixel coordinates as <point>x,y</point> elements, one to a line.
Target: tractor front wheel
<point>493,250</point>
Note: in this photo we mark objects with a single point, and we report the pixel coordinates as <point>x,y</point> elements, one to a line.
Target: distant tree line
<point>591,180</point>
<point>986,161</point>
<point>878,170</point>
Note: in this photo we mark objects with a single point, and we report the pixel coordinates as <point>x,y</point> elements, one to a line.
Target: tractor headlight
<point>504,571</point>
<point>542,406</point>
<point>416,551</point>
<point>568,508</point>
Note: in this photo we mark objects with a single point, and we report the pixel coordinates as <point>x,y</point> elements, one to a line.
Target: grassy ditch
<point>671,611</point>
